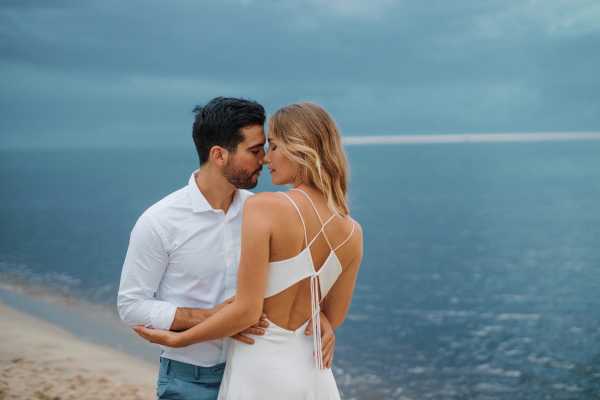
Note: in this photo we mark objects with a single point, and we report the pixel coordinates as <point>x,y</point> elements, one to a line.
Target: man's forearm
<point>186,317</point>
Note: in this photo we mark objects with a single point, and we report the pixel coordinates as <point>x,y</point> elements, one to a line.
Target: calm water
<point>481,277</point>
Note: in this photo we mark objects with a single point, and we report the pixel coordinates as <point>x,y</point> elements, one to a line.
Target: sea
<point>480,280</point>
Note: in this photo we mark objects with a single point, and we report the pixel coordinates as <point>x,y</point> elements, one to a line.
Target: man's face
<point>244,165</point>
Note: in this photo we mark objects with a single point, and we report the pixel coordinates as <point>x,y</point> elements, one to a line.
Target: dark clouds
<point>128,73</point>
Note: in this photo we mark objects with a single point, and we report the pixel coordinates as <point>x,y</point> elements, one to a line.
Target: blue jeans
<point>181,381</point>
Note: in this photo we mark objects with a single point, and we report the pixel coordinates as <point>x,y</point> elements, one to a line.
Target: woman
<point>301,252</point>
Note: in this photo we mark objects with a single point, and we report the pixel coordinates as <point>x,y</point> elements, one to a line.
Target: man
<point>183,253</point>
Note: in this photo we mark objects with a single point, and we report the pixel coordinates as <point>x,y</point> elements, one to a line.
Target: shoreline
<point>95,323</point>
<point>42,360</point>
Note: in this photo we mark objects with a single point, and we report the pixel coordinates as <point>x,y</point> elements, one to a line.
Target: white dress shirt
<point>182,253</point>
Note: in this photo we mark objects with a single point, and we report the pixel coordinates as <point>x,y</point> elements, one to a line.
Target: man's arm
<point>143,269</point>
<point>186,317</point>
<point>246,307</point>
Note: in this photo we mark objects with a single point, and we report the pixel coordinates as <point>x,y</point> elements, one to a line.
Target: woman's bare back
<point>291,307</point>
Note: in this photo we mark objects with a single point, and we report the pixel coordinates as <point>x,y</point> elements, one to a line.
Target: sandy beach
<point>39,360</point>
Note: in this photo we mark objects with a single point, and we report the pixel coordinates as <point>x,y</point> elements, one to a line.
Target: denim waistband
<point>191,372</point>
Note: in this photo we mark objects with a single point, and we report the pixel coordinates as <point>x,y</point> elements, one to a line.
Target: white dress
<point>280,364</point>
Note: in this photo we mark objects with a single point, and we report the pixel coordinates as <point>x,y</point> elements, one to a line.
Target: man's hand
<point>187,317</point>
<point>256,329</point>
<point>223,304</point>
<point>327,340</point>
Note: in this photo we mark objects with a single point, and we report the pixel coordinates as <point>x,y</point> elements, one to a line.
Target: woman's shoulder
<point>265,203</point>
<point>271,208</point>
<point>354,242</point>
<point>358,225</point>
<point>264,198</point>
<point>352,223</point>
<point>356,229</point>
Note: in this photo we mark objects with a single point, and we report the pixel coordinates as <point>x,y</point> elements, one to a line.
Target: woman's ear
<point>300,176</point>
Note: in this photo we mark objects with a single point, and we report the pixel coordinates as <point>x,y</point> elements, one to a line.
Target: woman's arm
<point>337,302</point>
<point>246,307</point>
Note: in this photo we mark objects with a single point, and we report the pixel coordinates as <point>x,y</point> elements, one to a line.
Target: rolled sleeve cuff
<point>162,316</point>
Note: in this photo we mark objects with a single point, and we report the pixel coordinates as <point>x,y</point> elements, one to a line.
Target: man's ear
<point>219,155</point>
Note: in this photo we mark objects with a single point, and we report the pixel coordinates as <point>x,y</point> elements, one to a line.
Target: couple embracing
<point>275,272</point>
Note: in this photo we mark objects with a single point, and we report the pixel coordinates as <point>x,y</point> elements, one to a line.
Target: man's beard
<point>240,178</point>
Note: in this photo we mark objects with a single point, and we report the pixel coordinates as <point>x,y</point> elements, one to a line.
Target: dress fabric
<point>287,364</point>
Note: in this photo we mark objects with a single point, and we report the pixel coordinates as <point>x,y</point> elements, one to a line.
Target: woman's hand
<point>159,336</point>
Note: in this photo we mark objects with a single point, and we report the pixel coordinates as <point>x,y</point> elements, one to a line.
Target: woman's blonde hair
<point>310,138</point>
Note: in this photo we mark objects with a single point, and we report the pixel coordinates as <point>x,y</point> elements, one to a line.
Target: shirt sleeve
<point>143,269</point>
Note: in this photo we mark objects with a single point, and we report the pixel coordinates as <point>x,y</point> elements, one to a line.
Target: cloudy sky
<point>128,73</point>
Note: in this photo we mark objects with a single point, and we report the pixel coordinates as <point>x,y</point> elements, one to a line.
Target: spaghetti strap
<point>329,220</point>
<point>322,230</point>
<point>347,239</point>
<point>300,214</point>
<point>312,203</point>
<point>323,224</point>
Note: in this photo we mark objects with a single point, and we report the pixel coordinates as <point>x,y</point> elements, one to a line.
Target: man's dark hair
<point>220,121</point>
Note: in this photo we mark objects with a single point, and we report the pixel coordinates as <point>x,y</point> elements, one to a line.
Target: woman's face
<point>283,171</point>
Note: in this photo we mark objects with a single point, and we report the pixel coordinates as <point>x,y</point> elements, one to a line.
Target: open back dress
<point>283,363</point>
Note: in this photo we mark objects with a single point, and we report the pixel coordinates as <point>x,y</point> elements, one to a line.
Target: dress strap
<point>322,230</point>
<point>300,214</point>
<point>312,203</point>
<point>347,239</point>
<point>315,294</point>
<point>316,320</point>
<point>323,224</point>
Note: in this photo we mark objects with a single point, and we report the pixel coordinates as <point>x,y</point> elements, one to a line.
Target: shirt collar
<point>200,204</point>
<point>236,205</point>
